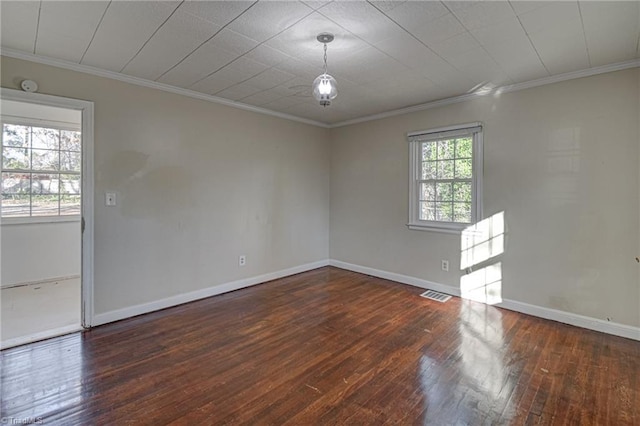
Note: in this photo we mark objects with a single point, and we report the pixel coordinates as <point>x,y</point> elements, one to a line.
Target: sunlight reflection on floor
<point>483,285</point>
<point>482,353</point>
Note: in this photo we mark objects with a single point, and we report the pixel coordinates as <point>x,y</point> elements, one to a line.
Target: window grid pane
<point>429,169</point>
<point>427,191</point>
<point>70,141</point>
<point>70,161</point>
<point>464,168</point>
<point>43,138</point>
<point>69,204</point>
<point>462,212</point>
<point>16,158</point>
<point>45,183</point>
<point>16,205</point>
<point>40,171</point>
<point>464,147</point>
<point>444,212</point>
<point>15,136</point>
<point>429,152</point>
<point>427,211</point>
<point>446,149</point>
<point>462,191</point>
<point>445,169</point>
<point>45,204</point>
<point>16,183</point>
<point>45,159</point>
<point>445,191</point>
<point>70,184</point>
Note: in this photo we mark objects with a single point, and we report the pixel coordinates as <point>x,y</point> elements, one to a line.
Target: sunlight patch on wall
<point>482,241</point>
<point>479,243</point>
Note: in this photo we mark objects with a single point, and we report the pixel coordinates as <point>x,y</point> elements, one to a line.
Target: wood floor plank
<point>326,347</point>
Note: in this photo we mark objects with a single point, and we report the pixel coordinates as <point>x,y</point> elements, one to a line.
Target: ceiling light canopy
<point>325,88</point>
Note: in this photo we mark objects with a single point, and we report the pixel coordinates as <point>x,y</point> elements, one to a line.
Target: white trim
<point>478,176</point>
<point>33,122</point>
<point>616,329</point>
<point>42,99</point>
<point>16,54</point>
<point>415,160</point>
<point>38,220</point>
<point>86,108</point>
<point>392,276</point>
<point>450,228</point>
<point>39,122</point>
<point>619,66</point>
<point>179,299</point>
<point>44,281</point>
<point>42,335</point>
<point>87,231</point>
<point>577,320</point>
<point>468,127</point>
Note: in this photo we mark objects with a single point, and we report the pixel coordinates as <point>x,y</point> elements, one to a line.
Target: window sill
<point>38,220</point>
<point>445,229</point>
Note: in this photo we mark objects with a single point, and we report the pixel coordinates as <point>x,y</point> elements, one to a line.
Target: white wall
<point>39,251</point>
<point>198,185</point>
<point>560,160</point>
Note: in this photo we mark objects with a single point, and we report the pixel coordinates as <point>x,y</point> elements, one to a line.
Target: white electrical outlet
<point>242,260</point>
<point>445,265</point>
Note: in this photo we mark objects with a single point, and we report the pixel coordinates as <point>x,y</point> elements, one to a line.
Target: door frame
<point>87,176</point>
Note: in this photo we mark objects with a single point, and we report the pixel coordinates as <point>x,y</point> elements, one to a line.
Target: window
<point>40,171</point>
<point>445,180</point>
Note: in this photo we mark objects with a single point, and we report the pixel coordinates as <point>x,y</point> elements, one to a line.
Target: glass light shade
<point>325,89</point>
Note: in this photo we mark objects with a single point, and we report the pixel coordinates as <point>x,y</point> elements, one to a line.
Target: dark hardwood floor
<point>327,347</point>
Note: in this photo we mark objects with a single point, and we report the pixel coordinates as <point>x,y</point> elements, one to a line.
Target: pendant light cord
<point>325,58</point>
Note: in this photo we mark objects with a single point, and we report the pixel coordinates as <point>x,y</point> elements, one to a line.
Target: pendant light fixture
<point>324,86</point>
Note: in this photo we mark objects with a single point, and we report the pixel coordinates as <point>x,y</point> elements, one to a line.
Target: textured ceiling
<point>386,55</point>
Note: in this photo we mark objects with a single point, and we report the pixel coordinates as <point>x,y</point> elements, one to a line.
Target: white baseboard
<point>41,282</point>
<point>590,323</point>
<point>404,279</point>
<point>22,340</point>
<point>179,299</point>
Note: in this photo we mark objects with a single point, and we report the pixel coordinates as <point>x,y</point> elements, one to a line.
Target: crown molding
<point>86,69</point>
<point>498,90</point>
<point>17,54</point>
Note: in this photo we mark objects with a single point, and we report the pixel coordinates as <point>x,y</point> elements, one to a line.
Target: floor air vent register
<point>434,295</point>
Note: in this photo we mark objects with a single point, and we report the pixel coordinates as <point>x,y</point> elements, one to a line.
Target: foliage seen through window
<point>40,171</point>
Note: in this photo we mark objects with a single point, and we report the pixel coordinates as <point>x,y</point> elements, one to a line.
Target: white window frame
<point>35,122</point>
<point>415,139</point>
